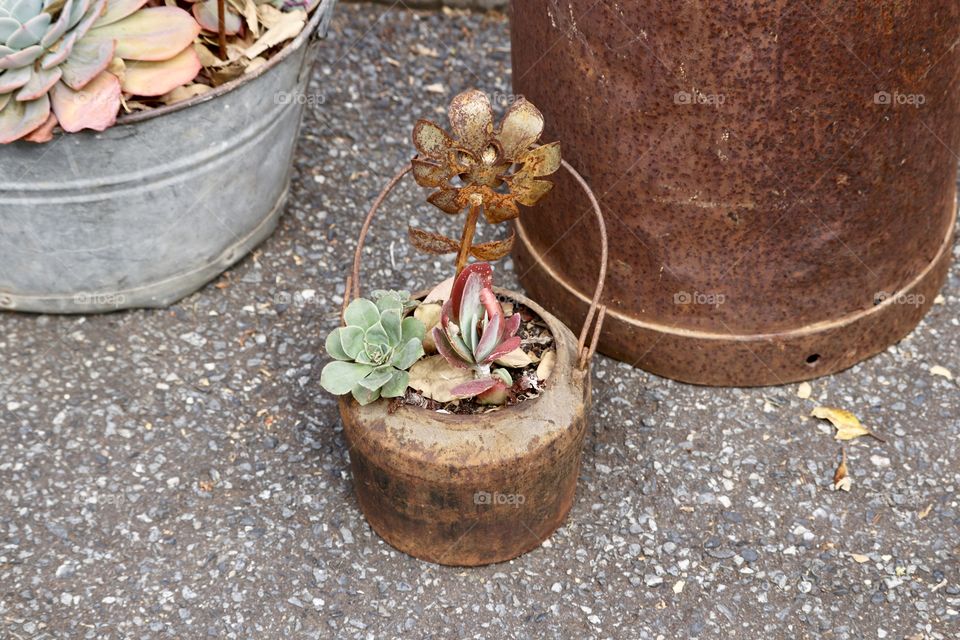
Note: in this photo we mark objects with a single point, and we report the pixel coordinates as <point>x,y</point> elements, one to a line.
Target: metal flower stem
<point>466,238</point>
<point>222,28</point>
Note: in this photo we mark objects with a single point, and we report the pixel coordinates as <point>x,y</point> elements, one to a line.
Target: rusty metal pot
<point>469,490</point>
<point>778,178</point>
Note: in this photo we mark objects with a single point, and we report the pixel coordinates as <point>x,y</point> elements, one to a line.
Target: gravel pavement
<point>179,473</point>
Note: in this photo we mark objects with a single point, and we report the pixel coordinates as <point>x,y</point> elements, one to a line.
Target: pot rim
<point>305,34</point>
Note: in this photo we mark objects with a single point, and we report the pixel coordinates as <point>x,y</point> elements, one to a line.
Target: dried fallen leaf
<point>250,16</point>
<point>545,368</point>
<point>847,424</point>
<point>937,370</point>
<point>517,359</point>
<point>289,26</point>
<point>804,390</point>
<point>185,93</point>
<point>441,292</point>
<point>841,481</point>
<point>926,511</point>
<point>434,377</point>
<point>859,558</point>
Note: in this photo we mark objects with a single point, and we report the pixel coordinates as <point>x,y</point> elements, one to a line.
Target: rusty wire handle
<point>596,312</point>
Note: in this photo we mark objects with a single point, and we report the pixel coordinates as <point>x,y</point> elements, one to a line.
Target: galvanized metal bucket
<point>149,210</point>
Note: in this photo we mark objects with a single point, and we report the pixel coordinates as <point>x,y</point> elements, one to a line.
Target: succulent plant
<point>373,350</point>
<point>398,299</point>
<point>473,331</point>
<point>66,62</point>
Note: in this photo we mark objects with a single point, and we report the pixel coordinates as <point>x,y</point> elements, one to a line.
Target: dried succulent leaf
<point>441,292</point>
<point>429,315</point>
<point>435,378</point>
<point>547,361</point>
<point>516,359</point>
<point>433,243</point>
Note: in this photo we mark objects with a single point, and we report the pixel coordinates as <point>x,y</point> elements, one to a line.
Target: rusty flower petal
<point>430,174</point>
<point>527,190</point>
<point>541,161</point>
<point>493,250</point>
<point>521,127</point>
<point>499,207</point>
<point>446,200</point>
<point>471,118</point>
<point>430,242</point>
<point>430,140</point>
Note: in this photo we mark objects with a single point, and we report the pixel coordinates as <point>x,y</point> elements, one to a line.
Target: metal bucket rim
<point>308,30</point>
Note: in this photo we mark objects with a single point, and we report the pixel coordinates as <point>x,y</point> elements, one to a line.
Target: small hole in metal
<point>813,359</point>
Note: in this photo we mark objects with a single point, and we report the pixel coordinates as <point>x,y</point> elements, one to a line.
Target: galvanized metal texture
<point>152,208</point>
<point>469,490</point>
<point>778,177</point>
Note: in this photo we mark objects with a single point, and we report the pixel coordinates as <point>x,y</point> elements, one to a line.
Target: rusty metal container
<point>475,489</point>
<point>470,490</point>
<point>778,178</point>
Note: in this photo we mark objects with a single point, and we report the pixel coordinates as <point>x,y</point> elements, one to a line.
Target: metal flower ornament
<point>481,168</point>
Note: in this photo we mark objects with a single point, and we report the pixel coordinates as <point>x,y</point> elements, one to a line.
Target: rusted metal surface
<point>473,489</point>
<point>778,177</point>
<point>481,167</point>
